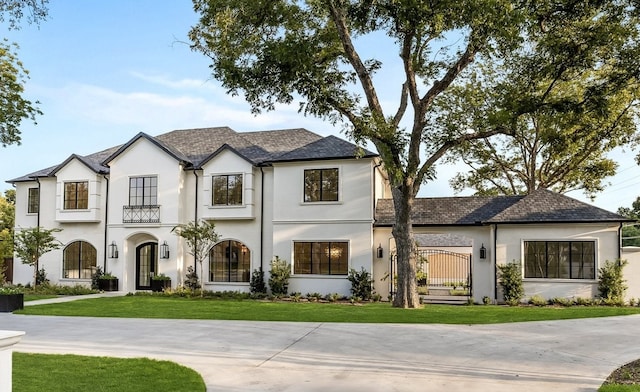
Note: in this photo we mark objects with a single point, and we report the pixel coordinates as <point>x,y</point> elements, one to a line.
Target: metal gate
<point>441,270</point>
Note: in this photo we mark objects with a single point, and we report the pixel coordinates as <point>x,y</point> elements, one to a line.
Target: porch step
<point>445,299</point>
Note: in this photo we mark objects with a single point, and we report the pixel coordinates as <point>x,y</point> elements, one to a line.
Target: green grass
<point>619,388</point>
<point>211,309</point>
<point>64,373</point>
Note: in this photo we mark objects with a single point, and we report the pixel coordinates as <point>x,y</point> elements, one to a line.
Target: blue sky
<point>106,70</point>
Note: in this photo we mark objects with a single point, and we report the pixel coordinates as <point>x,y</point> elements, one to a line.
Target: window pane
<point>235,190</point>
<point>34,201</point>
<point>339,258</point>
<point>312,185</point>
<point>220,190</point>
<point>302,258</point>
<point>330,185</point>
<point>82,196</point>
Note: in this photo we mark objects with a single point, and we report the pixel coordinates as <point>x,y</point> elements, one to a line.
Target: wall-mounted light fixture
<point>379,251</point>
<point>113,250</point>
<point>164,250</point>
<point>483,252</point>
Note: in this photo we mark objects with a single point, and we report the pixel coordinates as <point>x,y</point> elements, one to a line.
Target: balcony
<point>141,214</point>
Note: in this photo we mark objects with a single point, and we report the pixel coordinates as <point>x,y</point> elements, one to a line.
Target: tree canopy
<point>13,75</point>
<point>31,243</point>
<point>283,51</point>
<point>199,236</point>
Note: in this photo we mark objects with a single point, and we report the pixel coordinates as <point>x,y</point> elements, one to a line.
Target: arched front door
<point>146,264</point>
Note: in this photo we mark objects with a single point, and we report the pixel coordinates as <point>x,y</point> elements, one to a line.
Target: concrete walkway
<point>571,355</point>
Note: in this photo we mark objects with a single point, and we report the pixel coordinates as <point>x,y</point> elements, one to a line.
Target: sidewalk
<point>69,298</point>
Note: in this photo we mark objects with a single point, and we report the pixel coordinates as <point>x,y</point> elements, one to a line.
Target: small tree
<point>30,244</point>
<point>511,283</point>
<point>257,285</point>
<point>611,284</point>
<point>360,283</point>
<point>279,276</point>
<point>200,236</point>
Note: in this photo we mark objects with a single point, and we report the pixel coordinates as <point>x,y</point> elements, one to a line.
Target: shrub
<point>95,277</point>
<point>486,300</point>
<point>314,297</point>
<point>561,301</point>
<point>191,281</point>
<point>41,277</point>
<point>611,284</point>
<point>257,285</point>
<point>584,301</point>
<point>538,300</point>
<point>333,297</point>
<point>360,283</point>
<point>279,276</point>
<point>511,283</point>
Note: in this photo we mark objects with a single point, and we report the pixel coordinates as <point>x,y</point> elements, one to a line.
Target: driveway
<point>572,355</point>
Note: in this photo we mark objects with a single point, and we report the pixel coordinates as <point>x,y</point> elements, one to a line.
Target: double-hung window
<point>143,191</point>
<point>321,185</point>
<point>33,204</point>
<point>227,190</point>
<point>560,259</point>
<point>321,258</point>
<point>76,195</point>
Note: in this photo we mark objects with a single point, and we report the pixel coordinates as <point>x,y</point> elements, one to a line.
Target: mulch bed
<point>628,374</point>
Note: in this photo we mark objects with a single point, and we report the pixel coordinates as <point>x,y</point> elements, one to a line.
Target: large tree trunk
<point>407,290</point>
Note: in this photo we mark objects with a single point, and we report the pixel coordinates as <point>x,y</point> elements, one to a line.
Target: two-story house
<point>292,193</point>
<point>320,203</point>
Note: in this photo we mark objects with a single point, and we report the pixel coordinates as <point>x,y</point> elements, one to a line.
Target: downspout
<point>495,262</point>
<point>37,224</point>
<point>106,223</point>
<point>195,219</point>
<point>620,241</point>
<point>261,219</point>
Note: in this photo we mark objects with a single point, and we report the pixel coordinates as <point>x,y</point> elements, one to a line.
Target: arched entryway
<point>146,264</point>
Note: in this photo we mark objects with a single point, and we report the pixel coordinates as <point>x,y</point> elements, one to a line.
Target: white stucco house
<point>320,203</point>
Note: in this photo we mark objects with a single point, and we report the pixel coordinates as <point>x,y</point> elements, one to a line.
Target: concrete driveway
<point>572,355</point>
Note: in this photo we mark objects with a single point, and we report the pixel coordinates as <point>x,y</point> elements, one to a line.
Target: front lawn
<point>216,309</point>
<point>63,373</point>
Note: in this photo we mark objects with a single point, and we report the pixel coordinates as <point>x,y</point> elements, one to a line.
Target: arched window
<point>79,260</point>
<point>229,261</point>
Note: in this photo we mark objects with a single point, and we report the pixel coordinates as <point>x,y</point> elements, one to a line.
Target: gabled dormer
<point>146,177</point>
<point>79,190</point>
<point>228,185</point>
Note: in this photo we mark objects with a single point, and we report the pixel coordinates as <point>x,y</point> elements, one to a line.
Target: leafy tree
<point>15,108</point>
<point>563,128</point>
<point>7,219</point>
<point>200,236</point>
<point>32,243</point>
<point>281,50</point>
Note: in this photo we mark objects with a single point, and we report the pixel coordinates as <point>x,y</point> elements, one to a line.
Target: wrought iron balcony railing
<point>141,214</point>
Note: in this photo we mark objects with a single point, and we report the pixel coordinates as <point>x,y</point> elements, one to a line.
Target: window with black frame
<point>229,261</point>
<point>560,259</point>
<point>76,195</point>
<point>321,258</point>
<point>79,260</point>
<point>226,190</point>
<point>321,185</point>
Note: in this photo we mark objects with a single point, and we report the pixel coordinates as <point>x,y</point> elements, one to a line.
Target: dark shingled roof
<point>540,206</point>
<point>197,146</point>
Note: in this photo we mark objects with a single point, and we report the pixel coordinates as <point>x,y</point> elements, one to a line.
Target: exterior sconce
<point>113,250</point>
<point>379,251</point>
<point>164,251</point>
<point>483,252</point>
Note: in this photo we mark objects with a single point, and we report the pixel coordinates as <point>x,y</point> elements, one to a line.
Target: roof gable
<point>170,150</point>
<point>89,163</point>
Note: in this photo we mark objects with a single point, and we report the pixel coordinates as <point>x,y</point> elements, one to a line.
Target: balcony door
<point>146,264</point>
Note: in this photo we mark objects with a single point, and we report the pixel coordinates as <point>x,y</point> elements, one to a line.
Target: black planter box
<point>108,284</point>
<point>11,302</point>
<point>160,285</point>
